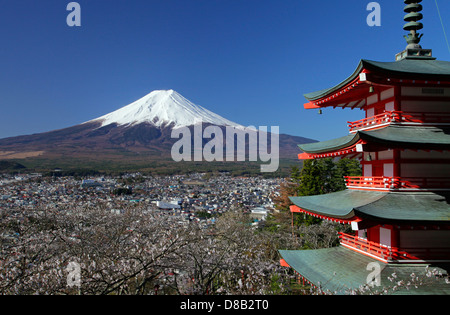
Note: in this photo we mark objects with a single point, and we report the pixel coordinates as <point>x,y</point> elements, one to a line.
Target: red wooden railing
<point>360,244</point>
<point>388,253</point>
<point>373,121</point>
<point>392,183</point>
<point>400,117</point>
<point>370,182</point>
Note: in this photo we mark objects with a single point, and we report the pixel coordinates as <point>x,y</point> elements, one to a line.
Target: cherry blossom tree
<point>91,250</point>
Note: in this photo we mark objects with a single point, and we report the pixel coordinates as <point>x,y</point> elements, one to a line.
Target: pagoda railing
<point>388,253</point>
<point>399,117</point>
<point>393,183</point>
<point>365,246</point>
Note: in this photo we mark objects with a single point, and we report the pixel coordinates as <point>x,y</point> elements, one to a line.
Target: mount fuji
<point>163,109</point>
<point>134,136</point>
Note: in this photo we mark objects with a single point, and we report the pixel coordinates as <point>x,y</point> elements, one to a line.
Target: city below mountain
<point>136,136</point>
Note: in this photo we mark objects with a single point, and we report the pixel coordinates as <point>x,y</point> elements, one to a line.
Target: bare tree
<point>321,235</point>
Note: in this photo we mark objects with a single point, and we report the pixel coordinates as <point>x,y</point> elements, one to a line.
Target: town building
<point>399,209</point>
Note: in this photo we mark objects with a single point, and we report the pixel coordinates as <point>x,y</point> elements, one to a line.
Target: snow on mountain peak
<point>162,108</point>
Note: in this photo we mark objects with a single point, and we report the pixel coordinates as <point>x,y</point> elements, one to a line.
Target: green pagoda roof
<point>406,68</point>
<point>431,207</point>
<point>436,69</point>
<point>429,138</point>
<point>340,270</point>
<point>330,145</point>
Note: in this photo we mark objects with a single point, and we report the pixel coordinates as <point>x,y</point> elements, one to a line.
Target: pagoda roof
<point>340,270</point>
<point>349,204</point>
<point>433,72</point>
<point>408,68</point>
<point>417,68</point>
<point>407,137</point>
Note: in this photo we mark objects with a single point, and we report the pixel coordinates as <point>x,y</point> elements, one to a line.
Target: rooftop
<point>426,71</point>
<point>407,137</point>
<point>341,270</point>
<point>423,207</point>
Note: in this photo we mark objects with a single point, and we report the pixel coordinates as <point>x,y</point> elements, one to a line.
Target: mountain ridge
<point>135,134</point>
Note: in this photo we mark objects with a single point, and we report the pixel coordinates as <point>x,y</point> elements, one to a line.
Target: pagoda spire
<point>413,10</point>
<point>413,16</point>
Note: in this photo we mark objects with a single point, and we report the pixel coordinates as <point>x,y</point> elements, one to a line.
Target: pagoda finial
<point>413,16</point>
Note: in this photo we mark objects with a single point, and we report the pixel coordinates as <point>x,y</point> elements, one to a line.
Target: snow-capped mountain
<point>137,134</point>
<point>163,108</point>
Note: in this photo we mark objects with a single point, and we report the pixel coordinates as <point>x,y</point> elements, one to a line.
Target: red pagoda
<point>399,209</point>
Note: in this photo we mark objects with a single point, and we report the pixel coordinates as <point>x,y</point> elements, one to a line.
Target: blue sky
<point>250,61</point>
